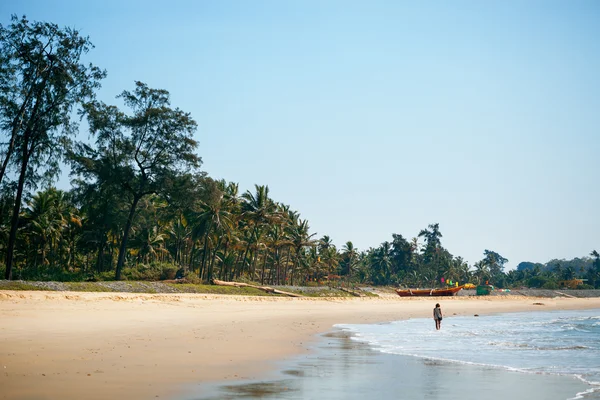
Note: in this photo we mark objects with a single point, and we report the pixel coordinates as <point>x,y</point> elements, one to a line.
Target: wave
<point>532,347</point>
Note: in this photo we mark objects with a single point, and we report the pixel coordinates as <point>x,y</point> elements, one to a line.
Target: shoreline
<point>340,367</point>
<point>138,346</point>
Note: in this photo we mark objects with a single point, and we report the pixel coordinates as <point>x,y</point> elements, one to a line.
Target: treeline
<point>139,206</point>
<point>559,273</point>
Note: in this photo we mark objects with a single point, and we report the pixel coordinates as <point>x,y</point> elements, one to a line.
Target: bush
<point>49,273</point>
<point>156,271</point>
<point>191,277</point>
<point>103,276</point>
<point>552,285</point>
<point>168,272</point>
<point>536,282</point>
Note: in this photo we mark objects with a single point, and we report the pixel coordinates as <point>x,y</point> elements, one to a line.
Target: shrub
<point>168,272</point>
<point>550,285</point>
<point>191,277</point>
<point>536,282</point>
<point>155,271</point>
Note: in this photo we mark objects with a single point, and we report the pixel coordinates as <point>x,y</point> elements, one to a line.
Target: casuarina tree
<point>138,153</point>
<point>42,79</point>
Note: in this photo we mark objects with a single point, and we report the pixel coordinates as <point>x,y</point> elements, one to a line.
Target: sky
<point>378,117</point>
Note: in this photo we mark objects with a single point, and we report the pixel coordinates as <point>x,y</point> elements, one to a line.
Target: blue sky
<point>380,117</point>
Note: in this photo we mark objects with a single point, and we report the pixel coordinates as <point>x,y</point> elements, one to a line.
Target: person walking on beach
<point>437,316</point>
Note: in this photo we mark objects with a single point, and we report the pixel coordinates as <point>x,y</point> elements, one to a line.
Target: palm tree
<point>51,219</point>
<point>300,239</point>
<point>350,255</point>
<point>213,220</point>
<point>482,272</point>
<point>258,210</point>
<point>381,264</point>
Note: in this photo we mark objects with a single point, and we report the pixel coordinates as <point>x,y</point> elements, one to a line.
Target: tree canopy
<point>41,80</point>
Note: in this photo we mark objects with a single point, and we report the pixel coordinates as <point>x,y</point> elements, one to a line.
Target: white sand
<point>139,346</point>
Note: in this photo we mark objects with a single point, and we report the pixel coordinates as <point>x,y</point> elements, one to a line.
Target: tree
<point>494,265</point>
<point>494,261</point>
<point>402,253</point>
<point>381,264</point>
<point>482,272</point>
<point>350,257</point>
<point>328,255</point>
<point>432,244</point>
<point>432,236</point>
<point>301,240</point>
<point>258,209</point>
<point>141,153</point>
<point>41,80</point>
<point>593,273</point>
<point>213,217</point>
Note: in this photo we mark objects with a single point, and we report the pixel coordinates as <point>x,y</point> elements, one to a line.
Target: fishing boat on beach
<point>451,291</point>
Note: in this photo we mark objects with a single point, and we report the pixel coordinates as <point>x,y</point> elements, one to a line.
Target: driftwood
<point>263,288</point>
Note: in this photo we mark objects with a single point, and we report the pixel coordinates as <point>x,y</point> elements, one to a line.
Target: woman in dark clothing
<point>437,316</point>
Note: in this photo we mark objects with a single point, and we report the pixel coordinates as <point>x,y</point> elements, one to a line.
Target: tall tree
<point>350,258</point>
<point>401,253</point>
<point>494,261</point>
<point>593,273</point>
<point>301,240</point>
<point>41,80</point>
<point>259,210</point>
<point>142,152</point>
<point>432,237</point>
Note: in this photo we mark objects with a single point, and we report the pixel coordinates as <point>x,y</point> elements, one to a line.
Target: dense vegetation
<point>140,208</point>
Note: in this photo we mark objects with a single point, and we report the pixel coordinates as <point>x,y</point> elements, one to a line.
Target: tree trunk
<point>191,256</point>
<point>235,271</point>
<point>224,269</point>
<point>123,248</point>
<point>286,264</point>
<point>262,273</point>
<point>100,259</point>
<point>17,126</point>
<point>14,223</point>
<point>212,262</point>
<point>203,267</point>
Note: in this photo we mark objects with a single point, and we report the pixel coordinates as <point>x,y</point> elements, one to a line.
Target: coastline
<point>342,368</point>
<point>138,346</point>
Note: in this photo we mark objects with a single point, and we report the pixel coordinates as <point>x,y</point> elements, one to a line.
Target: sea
<point>547,355</point>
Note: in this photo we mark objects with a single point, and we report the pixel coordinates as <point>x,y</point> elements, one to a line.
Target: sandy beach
<point>140,346</point>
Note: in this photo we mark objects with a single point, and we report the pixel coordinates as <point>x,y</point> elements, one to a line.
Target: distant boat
<point>429,292</point>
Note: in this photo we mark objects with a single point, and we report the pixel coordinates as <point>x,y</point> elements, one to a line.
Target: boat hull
<point>428,292</point>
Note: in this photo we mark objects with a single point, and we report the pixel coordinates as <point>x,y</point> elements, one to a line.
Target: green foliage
<point>103,276</point>
<point>537,281</point>
<point>550,285</point>
<point>48,273</point>
<point>138,154</point>
<point>41,81</point>
<point>154,271</point>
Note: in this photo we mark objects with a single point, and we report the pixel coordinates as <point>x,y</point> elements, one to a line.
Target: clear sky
<point>380,117</point>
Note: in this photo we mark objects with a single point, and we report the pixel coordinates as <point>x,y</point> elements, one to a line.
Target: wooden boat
<point>451,291</point>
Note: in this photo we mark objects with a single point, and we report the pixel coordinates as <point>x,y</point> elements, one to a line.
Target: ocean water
<point>564,343</point>
<point>516,356</point>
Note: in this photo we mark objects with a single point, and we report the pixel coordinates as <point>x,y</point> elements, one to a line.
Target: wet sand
<point>140,346</point>
<point>340,368</point>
